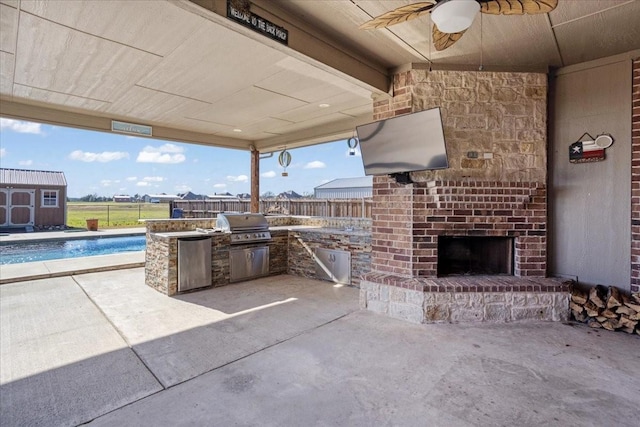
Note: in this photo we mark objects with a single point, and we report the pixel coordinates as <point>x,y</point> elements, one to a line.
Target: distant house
<point>224,197</point>
<point>191,196</point>
<point>345,188</point>
<point>122,199</point>
<point>289,195</point>
<point>159,198</point>
<point>32,198</point>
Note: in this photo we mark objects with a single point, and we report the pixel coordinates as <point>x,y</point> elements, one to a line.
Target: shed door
<point>21,206</point>
<point>4,206</point>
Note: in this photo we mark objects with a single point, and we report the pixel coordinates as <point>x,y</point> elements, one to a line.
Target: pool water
<point>16,253</point>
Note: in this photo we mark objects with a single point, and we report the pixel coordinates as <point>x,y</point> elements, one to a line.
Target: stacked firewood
<point>607,308</point>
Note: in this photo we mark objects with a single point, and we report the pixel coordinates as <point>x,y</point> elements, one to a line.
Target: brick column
<point>635,178</point>
<point>392,231</point>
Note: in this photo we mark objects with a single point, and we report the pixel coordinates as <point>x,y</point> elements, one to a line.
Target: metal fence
<point>354,208</point>
<point>115,214</point>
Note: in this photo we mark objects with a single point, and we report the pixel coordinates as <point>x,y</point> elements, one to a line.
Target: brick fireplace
<point>495,187</point>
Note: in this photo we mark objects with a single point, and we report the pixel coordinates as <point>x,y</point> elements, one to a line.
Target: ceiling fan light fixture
<point>454,16</point>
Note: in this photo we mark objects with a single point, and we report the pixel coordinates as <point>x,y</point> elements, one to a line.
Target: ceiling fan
<point>451,18</point>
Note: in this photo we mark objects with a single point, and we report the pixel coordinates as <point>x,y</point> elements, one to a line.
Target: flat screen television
<point>402,144</point>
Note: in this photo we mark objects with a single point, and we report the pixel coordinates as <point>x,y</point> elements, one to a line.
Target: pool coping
<point>41,236</point>
<point>11,273</point>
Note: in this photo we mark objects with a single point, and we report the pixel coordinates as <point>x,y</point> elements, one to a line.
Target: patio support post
<point>255,181</point>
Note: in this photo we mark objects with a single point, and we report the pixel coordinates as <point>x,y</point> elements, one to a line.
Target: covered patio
<point>102,348</point>
<point>516,93</point>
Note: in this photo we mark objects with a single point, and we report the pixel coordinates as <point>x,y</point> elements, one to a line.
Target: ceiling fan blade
<point>517,7</point>
<point>396,16</point>
<point>441,40</point>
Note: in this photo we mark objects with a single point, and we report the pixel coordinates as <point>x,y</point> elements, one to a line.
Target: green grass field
<point>114,215</point>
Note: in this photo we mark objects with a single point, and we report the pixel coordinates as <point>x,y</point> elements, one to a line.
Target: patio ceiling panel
<point>53,63</point>
<point>6,72</point>
<point>615,30</point>
<point>336,104</point>
<point>212,64</point>
<point>58,98</point>
<point>247,106</point>
<point>150,105</point>
<point>140,24</point>
<point>340,20</point>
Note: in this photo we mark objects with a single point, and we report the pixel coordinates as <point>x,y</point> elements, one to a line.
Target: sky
<point>109,164</point>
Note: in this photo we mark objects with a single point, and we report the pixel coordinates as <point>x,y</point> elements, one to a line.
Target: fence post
<point>108,215</point>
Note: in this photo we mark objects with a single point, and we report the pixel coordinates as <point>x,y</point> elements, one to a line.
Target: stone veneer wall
<point>278,252</point>
<point>302,244</point>
<point>475,299</point>
<point>500,116</point>
<point>635,179</point>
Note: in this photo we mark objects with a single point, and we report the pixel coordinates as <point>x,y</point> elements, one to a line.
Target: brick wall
<point>635,179</point>
<point>483,208</point>
<point>391,231</point>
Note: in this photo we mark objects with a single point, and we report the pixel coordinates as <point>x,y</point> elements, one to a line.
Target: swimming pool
<point>16,253</point>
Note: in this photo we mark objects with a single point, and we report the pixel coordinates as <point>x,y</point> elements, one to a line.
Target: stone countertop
<point>298,228</point>
<point>327,230</point>
<point>182,234</point>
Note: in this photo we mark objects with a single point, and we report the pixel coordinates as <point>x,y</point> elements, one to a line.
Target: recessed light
<point>324,105</point>
<point>237,130</point>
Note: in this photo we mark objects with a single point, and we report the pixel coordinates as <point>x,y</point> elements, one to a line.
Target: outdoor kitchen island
<point>291,248</point>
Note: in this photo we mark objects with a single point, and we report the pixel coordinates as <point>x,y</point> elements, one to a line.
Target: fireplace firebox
<point>465,255</point>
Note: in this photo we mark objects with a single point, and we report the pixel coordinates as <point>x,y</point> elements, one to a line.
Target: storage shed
<point>345,188</point>
<point>32,198</point>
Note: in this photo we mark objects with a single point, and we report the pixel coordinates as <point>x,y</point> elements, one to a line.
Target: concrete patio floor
<point>104,349</point>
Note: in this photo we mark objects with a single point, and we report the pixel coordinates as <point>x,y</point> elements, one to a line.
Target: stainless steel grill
<point>244,227</point>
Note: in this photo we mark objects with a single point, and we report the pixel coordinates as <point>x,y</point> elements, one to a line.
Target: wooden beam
<point>255,181</point>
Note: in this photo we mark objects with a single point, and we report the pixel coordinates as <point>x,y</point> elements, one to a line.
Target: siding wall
<point>589,203</point>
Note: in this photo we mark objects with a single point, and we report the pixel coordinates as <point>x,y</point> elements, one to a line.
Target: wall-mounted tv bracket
<point>402,178</point>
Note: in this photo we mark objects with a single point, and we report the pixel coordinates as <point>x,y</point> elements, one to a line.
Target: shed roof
<point>31,177</point>
<point>363,181</point>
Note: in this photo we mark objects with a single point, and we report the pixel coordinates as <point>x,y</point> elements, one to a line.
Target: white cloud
<point>182,188</point>
<point>166,153</point>
<point>25,162</point>
<point>3,152</point>
<point>219,185</point>
<point>143,184</point>
<point>20,126</point>
<point>104,157</point>
<point>317,164</point>
<point>108,182</point>
<point>132,178</point>
<point>239,178</point>
<point>270,174</point>
<point>153,179</point>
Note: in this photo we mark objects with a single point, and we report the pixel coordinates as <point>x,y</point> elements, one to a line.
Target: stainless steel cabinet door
<point>333,265</point>
<point>248,263</point>
<point>194,263</point>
